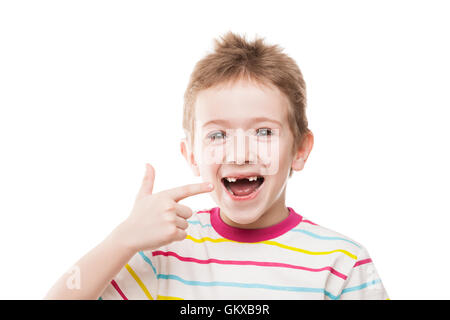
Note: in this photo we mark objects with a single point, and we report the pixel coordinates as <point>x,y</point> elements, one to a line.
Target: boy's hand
<point>158,219</point>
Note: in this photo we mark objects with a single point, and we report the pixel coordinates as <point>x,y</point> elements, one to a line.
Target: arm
<point>93,272</point>
<point>363,282</point>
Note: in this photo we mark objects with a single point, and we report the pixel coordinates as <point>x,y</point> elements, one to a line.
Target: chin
<point>242,217</point>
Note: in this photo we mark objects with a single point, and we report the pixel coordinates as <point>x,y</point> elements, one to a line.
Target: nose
<point>240,149</point>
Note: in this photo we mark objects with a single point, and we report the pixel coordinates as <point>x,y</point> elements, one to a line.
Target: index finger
<point>189,190</point>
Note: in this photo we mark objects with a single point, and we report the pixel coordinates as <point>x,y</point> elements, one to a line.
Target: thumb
<point>147,182</point>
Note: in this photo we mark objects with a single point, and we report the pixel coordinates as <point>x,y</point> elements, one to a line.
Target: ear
<point>298,163</point>
<point>189,156</point>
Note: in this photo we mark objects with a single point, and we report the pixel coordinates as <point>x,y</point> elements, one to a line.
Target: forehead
<point>240,103</point>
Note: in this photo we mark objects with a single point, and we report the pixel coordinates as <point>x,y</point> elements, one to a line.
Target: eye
<point>264,132</point>
<point>216,135</point>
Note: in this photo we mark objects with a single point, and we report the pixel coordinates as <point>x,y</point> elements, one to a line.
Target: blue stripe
<point>361,286</point>
<point>198,222</point>
<point>244,285</point>
<point>323,237</point>
<point>146,259</point>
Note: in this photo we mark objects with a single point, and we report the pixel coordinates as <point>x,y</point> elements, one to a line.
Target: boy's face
<point>242,132</point>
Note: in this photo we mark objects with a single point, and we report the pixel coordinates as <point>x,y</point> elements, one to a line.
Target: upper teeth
<point>249,179</point>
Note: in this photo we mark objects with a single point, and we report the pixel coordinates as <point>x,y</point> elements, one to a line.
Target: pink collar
<point>253,235</point>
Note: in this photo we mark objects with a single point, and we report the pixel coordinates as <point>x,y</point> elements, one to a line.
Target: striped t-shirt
<point>294,259</point>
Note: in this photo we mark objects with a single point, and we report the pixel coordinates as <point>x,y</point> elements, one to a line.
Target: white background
<point>92,90</point>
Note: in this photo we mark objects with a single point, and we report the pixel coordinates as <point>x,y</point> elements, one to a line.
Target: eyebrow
<point>254,120</point>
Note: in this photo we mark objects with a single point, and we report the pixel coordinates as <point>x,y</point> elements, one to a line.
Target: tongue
<point>243,187</point>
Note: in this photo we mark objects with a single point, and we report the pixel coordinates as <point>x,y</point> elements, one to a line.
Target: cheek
<point>276,157</point>
<point>209,154</point>
<point>282,160</point>
<point>208,172</point>
<point>212,154</point>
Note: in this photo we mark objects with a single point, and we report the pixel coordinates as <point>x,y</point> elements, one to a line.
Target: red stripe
<point>358,263</point>
<point>116,286</point>
<point>310,222</point>
<point>254,263</point>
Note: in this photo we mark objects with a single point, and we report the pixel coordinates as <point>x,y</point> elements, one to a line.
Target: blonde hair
<point>235,58</point>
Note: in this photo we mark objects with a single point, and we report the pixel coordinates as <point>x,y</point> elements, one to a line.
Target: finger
<point>181,235</point>
<point>183,211</point>
<point>181,223</point>
<point>189,190</point>
<point>147,182</point>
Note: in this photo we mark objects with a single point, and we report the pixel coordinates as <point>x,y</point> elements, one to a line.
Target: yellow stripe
<point>274,243</point>
<point>209,239</point>
<point>139,281</point>
<point>167,298</point>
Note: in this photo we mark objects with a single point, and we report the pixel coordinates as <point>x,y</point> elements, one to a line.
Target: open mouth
<point>243,188</point>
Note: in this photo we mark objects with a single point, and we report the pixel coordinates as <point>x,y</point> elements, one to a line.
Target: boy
<point>246,132</point>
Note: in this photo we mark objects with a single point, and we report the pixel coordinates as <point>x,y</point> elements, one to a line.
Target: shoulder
<point>325,233</point>
<point>324,238</point>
